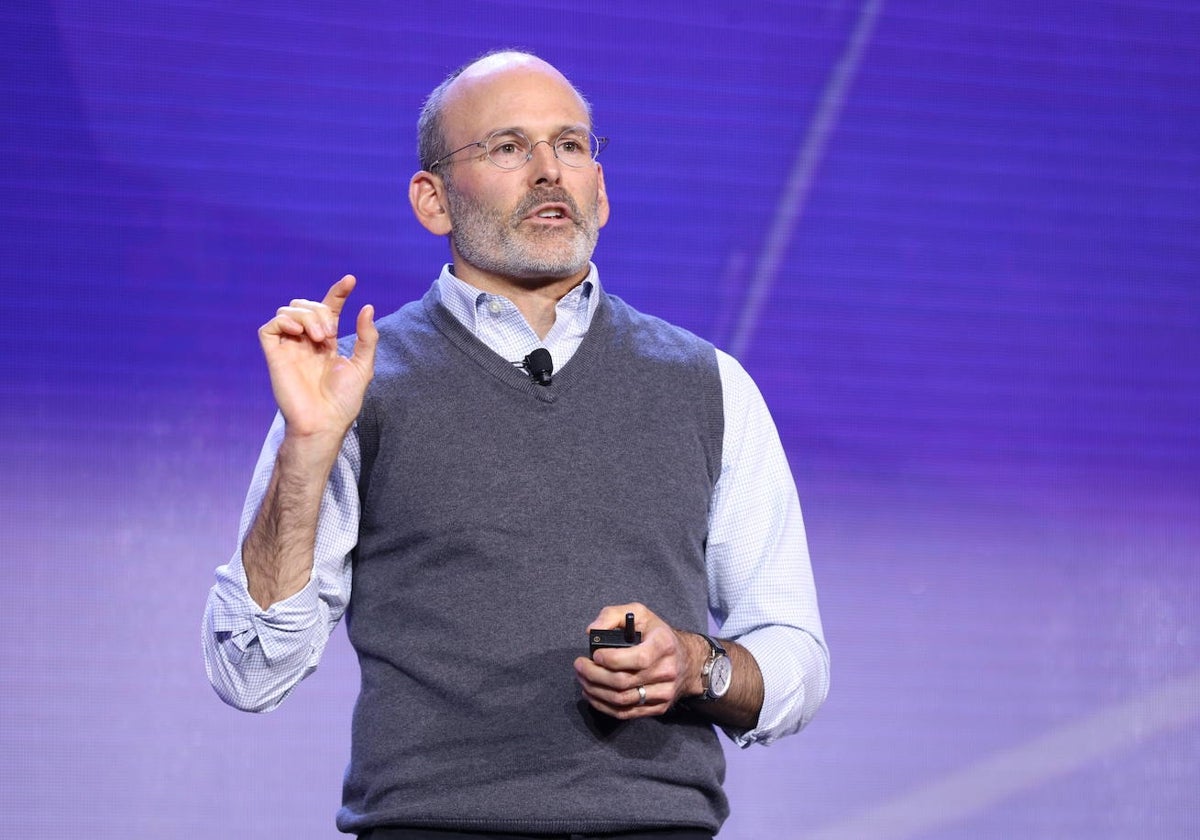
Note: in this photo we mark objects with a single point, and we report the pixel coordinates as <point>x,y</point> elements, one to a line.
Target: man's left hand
<point>646,679</point>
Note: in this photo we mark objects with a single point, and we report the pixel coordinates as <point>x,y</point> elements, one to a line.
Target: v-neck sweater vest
<point>497,517</point>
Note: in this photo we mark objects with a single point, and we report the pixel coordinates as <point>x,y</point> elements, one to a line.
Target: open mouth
<point>551,212</point>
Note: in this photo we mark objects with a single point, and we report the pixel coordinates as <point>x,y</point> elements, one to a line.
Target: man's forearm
<point>277,553</point>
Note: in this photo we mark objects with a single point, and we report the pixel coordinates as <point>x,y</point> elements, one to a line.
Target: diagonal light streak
<point>795,193</point>
<point>1055,753</point>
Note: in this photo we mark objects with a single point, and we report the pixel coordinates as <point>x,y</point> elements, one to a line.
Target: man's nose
<point>544,165</point>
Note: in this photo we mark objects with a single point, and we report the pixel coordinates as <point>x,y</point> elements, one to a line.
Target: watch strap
<point>716,647</point>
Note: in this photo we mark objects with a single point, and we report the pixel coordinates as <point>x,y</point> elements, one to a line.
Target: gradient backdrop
<point>955,243</point>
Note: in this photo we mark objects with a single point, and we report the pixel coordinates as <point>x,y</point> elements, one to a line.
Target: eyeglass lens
<point>512,149</point>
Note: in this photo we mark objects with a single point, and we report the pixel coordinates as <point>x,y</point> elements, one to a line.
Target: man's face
<point>540,222</point>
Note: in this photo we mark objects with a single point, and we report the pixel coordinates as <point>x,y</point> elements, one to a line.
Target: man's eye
<point>570,146</point>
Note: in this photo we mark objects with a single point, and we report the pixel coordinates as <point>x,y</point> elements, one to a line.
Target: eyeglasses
<point>510,149</point>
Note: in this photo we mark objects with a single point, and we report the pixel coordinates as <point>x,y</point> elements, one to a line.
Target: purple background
<point>956,245</point>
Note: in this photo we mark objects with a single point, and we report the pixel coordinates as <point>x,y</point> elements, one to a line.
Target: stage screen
<point>955,244</point>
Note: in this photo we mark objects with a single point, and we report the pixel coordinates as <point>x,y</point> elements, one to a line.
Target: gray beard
<point>492,242</point>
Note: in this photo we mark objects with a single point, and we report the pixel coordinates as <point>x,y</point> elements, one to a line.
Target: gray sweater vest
<point>498,517</point>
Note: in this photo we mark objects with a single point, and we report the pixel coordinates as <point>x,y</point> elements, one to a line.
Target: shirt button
<point>495,307</point>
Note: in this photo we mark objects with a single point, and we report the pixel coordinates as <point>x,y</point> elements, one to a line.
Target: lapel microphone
<point>539,365</point>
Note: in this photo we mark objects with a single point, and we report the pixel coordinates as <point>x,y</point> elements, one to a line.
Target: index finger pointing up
<point>335,298</point>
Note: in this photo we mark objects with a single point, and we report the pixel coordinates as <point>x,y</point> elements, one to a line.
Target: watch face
<point>720,676</point>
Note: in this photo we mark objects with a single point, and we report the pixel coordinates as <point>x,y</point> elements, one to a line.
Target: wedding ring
<point>641,695</point>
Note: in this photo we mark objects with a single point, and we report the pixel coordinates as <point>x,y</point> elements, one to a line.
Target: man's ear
<point>601,198</point>
<point>427,194</point>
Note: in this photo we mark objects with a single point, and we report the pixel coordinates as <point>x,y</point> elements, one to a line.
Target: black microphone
<point>540,366</point>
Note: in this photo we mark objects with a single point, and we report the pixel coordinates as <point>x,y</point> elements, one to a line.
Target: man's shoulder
<point>653,336</point>
<point>410,319</point>
<point>407,337</point>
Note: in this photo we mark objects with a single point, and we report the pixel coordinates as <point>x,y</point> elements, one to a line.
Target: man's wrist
<point>697,654</point>
<point>310,449</point>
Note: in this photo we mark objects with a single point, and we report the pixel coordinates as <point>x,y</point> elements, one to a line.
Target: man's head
<point>534,224</point>
<point>431,138</point>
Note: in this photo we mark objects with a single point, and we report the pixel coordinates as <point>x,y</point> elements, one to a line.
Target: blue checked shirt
<point>760,584</point>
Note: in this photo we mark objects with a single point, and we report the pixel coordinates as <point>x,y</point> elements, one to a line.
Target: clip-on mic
<point>539,365</point>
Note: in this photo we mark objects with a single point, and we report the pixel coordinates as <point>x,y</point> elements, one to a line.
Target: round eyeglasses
<point>510,149</point>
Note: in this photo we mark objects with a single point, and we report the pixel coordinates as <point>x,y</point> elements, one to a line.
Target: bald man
<point>484,478</point>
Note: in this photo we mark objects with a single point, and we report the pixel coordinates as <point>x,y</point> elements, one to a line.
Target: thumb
<point>366,338</point>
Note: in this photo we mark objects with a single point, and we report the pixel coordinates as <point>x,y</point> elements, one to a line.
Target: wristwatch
<point>717,673</point>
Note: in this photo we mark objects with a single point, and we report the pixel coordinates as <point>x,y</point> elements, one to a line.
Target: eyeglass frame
<point>601,143</point>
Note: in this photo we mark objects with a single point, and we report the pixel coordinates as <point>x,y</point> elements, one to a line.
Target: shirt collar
<point>465,301</point>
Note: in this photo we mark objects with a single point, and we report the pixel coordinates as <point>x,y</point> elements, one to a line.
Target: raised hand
<point>318,391</point>
<point>319,394</point>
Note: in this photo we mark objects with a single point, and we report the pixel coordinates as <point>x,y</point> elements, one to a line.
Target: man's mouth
<point>550,211</point>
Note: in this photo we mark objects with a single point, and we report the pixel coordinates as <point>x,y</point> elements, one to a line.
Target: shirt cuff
<point>785,656</point>
<point>283,630</point>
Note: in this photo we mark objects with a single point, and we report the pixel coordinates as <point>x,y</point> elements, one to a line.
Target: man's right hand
<point>318,391</point>
<point>319,394</point>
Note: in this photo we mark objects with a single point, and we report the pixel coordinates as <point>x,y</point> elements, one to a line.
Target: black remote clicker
<point>621,637</point>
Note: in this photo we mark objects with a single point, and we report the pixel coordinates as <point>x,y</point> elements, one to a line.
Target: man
<point>470,519</point>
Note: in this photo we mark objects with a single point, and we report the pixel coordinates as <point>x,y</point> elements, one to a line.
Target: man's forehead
<point>505,89</point>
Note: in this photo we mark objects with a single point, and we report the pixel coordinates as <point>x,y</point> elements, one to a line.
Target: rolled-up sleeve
<point>760,580</point>
<point>255,657</point>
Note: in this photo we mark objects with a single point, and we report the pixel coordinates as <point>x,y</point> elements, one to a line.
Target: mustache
<point>548,196</point>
